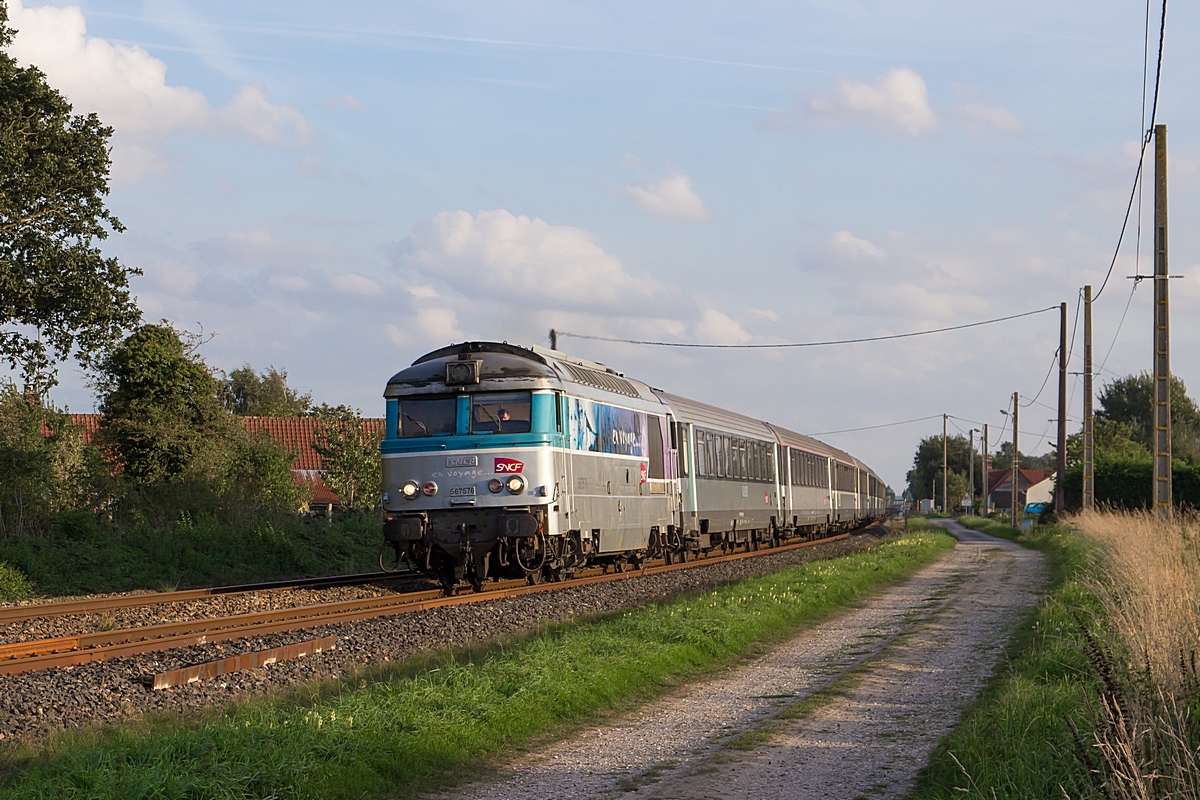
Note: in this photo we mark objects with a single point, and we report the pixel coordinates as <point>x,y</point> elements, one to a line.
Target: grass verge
<point>1018,741</point>
<point>79,557</point>
<point>404,731</point>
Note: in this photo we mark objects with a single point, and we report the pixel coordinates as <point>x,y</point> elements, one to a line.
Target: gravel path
<point>900,671</point>
<point>35,705</point>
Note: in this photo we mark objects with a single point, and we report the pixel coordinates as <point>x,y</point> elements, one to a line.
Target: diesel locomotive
<point>502,461</point>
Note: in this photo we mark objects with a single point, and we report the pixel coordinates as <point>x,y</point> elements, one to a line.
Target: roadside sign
<point>966,501</point>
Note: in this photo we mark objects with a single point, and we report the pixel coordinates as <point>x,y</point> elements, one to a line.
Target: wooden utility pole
<point>1060,499</point>
<point>945,507</point>
<point>971,471</point>
<point>986,497</point>
<point>1162,334</point>
<point>1089,463</point>
<point>1016,462</point>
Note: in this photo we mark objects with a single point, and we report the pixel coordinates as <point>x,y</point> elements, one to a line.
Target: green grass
<point>1018,741</point>
<point>80,557</point>
<point>412,728</point>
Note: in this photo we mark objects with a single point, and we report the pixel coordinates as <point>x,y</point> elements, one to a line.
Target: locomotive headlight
<point>430,489</point>
<point>495,486</point>
<point>410,490</point>
<point>515,484</point>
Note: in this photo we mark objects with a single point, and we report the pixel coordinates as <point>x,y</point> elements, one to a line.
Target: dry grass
<point>1148,581</point>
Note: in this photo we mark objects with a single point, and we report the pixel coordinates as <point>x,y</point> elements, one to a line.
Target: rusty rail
<point>66,651</point>
<point>91,606</point>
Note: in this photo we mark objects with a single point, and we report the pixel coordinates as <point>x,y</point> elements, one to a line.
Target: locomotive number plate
<point>462,491</point>
<point>462,461</point>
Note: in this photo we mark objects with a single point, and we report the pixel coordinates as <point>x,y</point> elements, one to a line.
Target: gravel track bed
<point>201,608</point>
<point>39,704</point>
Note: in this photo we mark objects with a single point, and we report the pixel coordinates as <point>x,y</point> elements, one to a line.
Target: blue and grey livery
<point>504,461</point>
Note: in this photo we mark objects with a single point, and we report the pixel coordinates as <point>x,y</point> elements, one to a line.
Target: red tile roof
<point>296,433</point>
<point>1002,478</point>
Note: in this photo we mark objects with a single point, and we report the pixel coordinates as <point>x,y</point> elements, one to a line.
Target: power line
<point>873,427</point>
<point>1049,372</point>
<point>1146,134</point>
<point>1119,326</point>
<point>807,344</point>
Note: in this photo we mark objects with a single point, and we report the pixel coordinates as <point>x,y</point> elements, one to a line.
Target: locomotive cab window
<point>426,417</point>
<point>500,412</point>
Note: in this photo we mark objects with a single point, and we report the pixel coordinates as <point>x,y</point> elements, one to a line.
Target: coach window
<point>426,417</point>
<point>500,412</point>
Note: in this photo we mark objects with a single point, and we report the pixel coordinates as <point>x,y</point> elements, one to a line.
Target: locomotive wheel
<point>534,578</point>
<point>668,558</point>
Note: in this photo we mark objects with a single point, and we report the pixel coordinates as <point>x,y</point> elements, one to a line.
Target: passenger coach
<point>505,461</point>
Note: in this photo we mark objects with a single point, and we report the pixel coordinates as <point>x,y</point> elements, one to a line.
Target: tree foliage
<point>249,394</point>
<point>59,295</point>
<point>162,416</point>
<point>927,468</point>
<point>1129,401</point>
<point>349,455</point>
<point>46,465</point>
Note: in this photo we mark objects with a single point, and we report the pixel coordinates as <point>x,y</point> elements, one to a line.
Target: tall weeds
<point>1148,582</point>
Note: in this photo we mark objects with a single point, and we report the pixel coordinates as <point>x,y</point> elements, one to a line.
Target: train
<point>502,462</point>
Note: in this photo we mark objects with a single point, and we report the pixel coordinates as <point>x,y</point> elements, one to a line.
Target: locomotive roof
<point>505,366</point>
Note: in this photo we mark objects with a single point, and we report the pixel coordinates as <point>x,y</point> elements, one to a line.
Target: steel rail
<point>91,606</point>
<point>67,651</point>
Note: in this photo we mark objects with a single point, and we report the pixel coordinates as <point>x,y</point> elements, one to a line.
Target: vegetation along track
<point>65,651</point>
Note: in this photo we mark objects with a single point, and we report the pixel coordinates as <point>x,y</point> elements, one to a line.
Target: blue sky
<point>336,189</point>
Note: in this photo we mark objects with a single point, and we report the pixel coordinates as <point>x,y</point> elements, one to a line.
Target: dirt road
<point>849,709</point>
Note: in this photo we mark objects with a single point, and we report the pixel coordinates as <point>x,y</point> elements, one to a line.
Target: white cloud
<point>671,197</point>
<point>423,292</point>
<point>346,102</point>
<point>983,118</point>
<point>898,100</point>
<point>289,283</point>
<point>497,254</point>
<point>127,88</point>
<point>716,327</point>
<point>356,284</point>
<point>849,246</point>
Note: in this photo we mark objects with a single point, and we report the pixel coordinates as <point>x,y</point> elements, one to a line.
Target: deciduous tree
<point>59,294</point>
<point>350,456</point>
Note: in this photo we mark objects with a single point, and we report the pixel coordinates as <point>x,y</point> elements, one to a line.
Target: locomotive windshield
<point>500,412</point>
<point>427,417</point>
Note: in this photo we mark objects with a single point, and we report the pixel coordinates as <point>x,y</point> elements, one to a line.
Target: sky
<point>336,189</point>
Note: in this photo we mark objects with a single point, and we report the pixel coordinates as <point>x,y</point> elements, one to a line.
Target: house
<point>1000,486</point>
<point>1040,496</point>
<point>295,433</point>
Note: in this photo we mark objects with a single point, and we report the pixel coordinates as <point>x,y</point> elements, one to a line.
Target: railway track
<point>101,604</point>
<point>42,654</point>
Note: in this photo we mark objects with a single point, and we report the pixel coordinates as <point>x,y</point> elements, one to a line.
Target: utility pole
<point>986,498</point>
<point>1089,463</point>
<point>971,471</point>
<point>1016,462</point>
<point>1060,499</point>
<point>945,507</point>
<point>1162,334</point>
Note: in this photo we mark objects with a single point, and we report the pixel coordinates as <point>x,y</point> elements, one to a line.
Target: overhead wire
<point>806,344</point>
<point>1147,133</point>
<point>873,427</point>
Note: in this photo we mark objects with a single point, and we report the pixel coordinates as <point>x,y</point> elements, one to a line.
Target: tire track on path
<point>920,653</point>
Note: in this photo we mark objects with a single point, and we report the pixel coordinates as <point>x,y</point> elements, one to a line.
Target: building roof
<point>1001,479</point>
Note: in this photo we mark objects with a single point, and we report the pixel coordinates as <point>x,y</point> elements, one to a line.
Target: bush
<point>13,584</point>
<point>1125,483</point>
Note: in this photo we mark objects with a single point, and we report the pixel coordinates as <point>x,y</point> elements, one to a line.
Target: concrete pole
<point>986,496</point>
<point>1016,462</point>
<point>1060,499</point>
<point>945,506</point>
<point>1089,462</point>
<point>1162,334</point>
<point>971,471</point>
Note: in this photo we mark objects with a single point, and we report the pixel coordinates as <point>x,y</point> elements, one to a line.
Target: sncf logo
<point>509,465</point>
